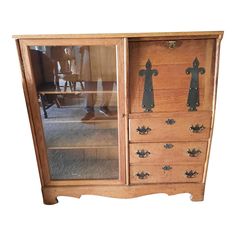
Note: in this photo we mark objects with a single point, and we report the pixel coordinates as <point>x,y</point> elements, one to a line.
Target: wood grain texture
<point>179,131</point>
<point>156,174</point>
<point>196,191</point>
<point>168,100</point>
<point>159,54</point>
<point>215,76</point>
<point>159,154</point>
<point>37,131</point>
<point>205,34</point>
<point>122,120</point>
<point>171,85</point>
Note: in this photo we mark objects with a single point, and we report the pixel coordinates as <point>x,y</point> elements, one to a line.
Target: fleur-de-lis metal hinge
<point>193,95</point>
<point>148,96</point>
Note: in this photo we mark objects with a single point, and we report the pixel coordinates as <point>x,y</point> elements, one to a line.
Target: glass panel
<point>77,92</point>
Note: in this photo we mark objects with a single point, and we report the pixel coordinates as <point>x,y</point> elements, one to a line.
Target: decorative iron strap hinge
<point>193,95</point>
<point>148,96</point>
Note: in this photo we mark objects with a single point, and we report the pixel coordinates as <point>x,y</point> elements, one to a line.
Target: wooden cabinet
<point>121,115</point>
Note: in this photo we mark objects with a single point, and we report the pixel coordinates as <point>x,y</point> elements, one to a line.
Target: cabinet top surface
<point>209,34</point>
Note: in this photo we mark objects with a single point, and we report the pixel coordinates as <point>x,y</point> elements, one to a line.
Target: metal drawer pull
<point>197,128</point>
<point>142,175</point>
<point>170,121</point>
<point>142,153</point>
<point>143,130</point>
<point>191,174</point>
<point>166,167</point>
<point>168,146</point>
<point>193,152</point>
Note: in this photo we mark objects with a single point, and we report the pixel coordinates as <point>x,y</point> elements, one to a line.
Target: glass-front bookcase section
<point>77,96</point>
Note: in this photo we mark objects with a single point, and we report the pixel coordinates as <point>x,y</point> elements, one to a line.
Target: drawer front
<point>141,174</point>
<point>168,152</point>
<point>171,84</point>
<point>192,126</point>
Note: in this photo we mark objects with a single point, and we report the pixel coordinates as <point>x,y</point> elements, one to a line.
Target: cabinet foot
<point>198,194</point>
<point>49,198</point>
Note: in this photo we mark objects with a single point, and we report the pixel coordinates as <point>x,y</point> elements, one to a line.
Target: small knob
<point>170,121</point>
<point>166,167</point>
<point>168,145</point>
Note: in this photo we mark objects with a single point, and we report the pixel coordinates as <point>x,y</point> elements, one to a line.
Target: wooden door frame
<point>31,98</point>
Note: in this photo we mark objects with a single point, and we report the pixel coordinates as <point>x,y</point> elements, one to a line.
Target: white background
<point>21,209</point>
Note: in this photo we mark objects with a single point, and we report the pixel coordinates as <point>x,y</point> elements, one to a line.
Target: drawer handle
<point>142,153</point>
<point>168,146</point>
<point>197,128</point>
<point>142,175</point>
<point>193,152</point>
<point>143,130</point>
<point>166,167</point>
<point>191,174</point>
<point>170,121</point>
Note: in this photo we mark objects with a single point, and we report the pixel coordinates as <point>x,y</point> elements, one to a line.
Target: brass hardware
<point>171,44</point>
<point>143,130</point>
<point>170,121</point>
<point>166,167</point>
<point>197,128</point>
<point>142,153</point>
<point>168,146</point>
<point>191,174</point>
<point>193,95</point>
<point>142,175</point>
<point>193,152</point>
<point>148,96</point>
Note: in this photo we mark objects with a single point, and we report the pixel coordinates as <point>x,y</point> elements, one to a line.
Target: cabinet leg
<point>49,198</point>
<point>198,194</point>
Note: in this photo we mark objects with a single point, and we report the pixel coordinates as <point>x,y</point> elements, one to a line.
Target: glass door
<point>77,97</point>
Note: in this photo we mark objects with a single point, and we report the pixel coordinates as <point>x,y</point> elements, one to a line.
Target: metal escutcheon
<point>143,130</point>
<point>170,121</point>
<point>143,153</point>
<point>191,174</point>
<point>193,152</point>
<point>197,128</point>
<point>142,175</point>
<point>167,167</point>
<point>168,145</point>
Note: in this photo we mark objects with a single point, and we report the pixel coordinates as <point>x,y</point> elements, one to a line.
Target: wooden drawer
<point>140,174</point>
<point>168,152</point>
<point>171,84</point>
<point>170,127</point>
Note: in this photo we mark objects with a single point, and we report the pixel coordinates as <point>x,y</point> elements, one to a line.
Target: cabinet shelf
<point>50,88</point>
<point>83,164</point>
<point>83,147</point>
<point>72,114</point>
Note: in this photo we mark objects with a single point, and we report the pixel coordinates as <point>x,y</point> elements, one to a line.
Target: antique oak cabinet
<point>121,115</point>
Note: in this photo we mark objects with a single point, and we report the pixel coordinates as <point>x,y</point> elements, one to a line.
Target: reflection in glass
<point>77,93</point>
